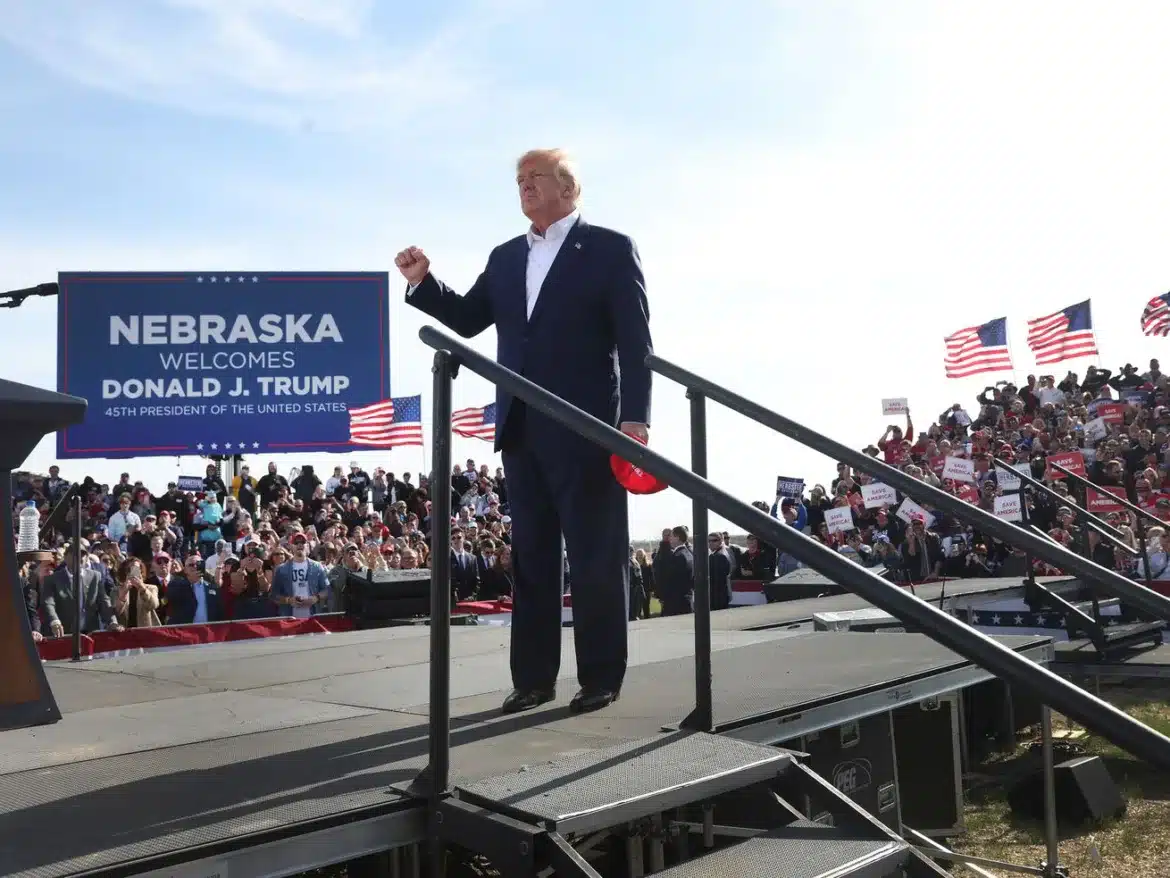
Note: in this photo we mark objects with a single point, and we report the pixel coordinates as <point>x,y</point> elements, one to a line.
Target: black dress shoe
<point>590,699</point>
<point>526,699</point>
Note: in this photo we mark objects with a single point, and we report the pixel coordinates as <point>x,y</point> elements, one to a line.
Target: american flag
<point>1065,335</point>
<point>1156,317</point>
<point>978,349</point>
<point>479,423</point>
<point>392,423</point>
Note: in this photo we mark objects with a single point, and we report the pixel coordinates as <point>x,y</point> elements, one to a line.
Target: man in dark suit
<point>59,599</point>
<point>464,572</point>
<point>568,302</point>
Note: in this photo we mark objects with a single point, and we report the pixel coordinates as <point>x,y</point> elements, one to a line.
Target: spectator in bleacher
<point>32,600</point>
<point>251,585</point>
<point>465,576</point>
<point>646,577</point>
<point>136,601</point>
<point>244,490</point>
<point>59,599</point>
<point>207,523</point>
<point>501,578</point>
<point>719,567</point>
<point>675,578</point>
<point>300,586</point>
<point>193,595</point>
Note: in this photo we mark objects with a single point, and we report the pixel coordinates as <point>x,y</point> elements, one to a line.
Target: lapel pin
<point>578,245</point>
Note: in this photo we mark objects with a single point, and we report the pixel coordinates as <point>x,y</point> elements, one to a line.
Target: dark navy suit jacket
<point>589,333</point>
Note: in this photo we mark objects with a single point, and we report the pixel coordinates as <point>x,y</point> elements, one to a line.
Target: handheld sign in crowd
<point>895,406</point>
<point>1073,461</point>
<point>1007,507</point>
<point>1103,499</point>
<point>839,520</point>
<point>909,510</point>
<point>1008,478</point>
<point>789,487</point>
<point>960,469</point>
<point>1096,429</point>
<point>189,483</point>
<point>877,494</point>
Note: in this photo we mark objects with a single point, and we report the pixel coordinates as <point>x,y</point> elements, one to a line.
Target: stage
<point>183,762</point>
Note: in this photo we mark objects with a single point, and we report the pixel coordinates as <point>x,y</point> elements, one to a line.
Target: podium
<point>27,415</point>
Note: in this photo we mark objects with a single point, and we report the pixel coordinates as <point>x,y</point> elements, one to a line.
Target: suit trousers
<point>565,488</point>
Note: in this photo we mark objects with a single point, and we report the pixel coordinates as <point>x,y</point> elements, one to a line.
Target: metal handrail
<point>1086,517</point>
<point>1123,501</point>
<point>1138,595</point>
<point>1092,712</point>
<point>1078,510</point>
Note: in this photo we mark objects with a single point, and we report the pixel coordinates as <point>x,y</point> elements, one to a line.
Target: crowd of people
<point>276,545</point>
<point>1111,428</point>
<point>280,545</point>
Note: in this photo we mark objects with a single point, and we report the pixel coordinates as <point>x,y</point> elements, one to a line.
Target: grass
<point>1134,846</point>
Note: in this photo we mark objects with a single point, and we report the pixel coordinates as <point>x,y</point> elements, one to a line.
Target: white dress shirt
<point>542,251</point>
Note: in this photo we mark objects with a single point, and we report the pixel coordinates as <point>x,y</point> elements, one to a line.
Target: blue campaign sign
<point>219,362</point>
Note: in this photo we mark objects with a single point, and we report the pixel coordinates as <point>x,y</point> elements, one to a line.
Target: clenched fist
<point>413,264</point>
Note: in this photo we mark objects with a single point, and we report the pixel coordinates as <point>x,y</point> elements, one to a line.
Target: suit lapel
<point>566,261</point>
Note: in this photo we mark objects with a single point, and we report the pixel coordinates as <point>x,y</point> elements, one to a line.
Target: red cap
<point>634,479</point>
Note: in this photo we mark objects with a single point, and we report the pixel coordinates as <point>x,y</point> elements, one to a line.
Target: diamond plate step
<point>794,851</point>
<point>635,779</point>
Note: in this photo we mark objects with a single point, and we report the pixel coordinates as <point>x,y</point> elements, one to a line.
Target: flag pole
<point>1007,333</point>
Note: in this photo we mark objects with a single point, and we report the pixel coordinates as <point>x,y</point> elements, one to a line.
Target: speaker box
<point>930,781</point>
<point>1085,793</point>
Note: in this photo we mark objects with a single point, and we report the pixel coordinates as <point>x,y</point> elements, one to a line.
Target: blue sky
<point>821,191</point>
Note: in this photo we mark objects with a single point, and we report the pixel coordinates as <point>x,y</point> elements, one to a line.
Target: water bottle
<point>28,539</point>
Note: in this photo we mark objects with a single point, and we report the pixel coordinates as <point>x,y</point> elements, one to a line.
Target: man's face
<point>298,550</point>
<point>542,195</point>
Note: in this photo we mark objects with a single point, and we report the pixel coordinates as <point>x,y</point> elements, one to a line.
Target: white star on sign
<point>241,445</point>
<point>1019,620</point>
<point>995,620</point>
<point>240,278</point>
<point>227,280</point>
<point>214,279</point>
<point>199,280</point>
<point>255,444</point>
<point>199,447</point>
<point>255,279</point>
<point>214,446</point>
<point>227,445</point>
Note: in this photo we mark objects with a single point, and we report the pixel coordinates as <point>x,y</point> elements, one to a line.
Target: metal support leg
<point>635,854</point>
<point>75,568</point>
<point>702,718</point>
<point>437,773</point>
<point>657,839</point>
<point>708,826</point>
<point>1051,833</point>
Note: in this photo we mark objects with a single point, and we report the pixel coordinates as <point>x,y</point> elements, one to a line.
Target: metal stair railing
<point>1142,598</point>
<point>1140,515</point>
<point>1076,620</point>
<point>1085,708</point>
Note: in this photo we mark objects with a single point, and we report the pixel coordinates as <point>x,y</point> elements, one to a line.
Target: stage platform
<point>272,757</point>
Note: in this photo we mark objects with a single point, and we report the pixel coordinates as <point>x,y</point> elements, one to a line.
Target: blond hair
<point>563,167</point>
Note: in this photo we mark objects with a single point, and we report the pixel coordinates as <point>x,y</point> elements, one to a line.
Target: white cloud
<point>292,63</point>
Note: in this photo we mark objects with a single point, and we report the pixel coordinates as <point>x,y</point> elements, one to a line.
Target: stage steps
<point>658,802</point>
<point>631,781</point>
<point>802,849</point>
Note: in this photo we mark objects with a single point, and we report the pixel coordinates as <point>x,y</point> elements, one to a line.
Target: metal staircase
<point>652,802</point>
<point>658,805</point>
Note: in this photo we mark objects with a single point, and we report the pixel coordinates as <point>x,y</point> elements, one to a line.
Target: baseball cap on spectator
<point>298,537</point>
